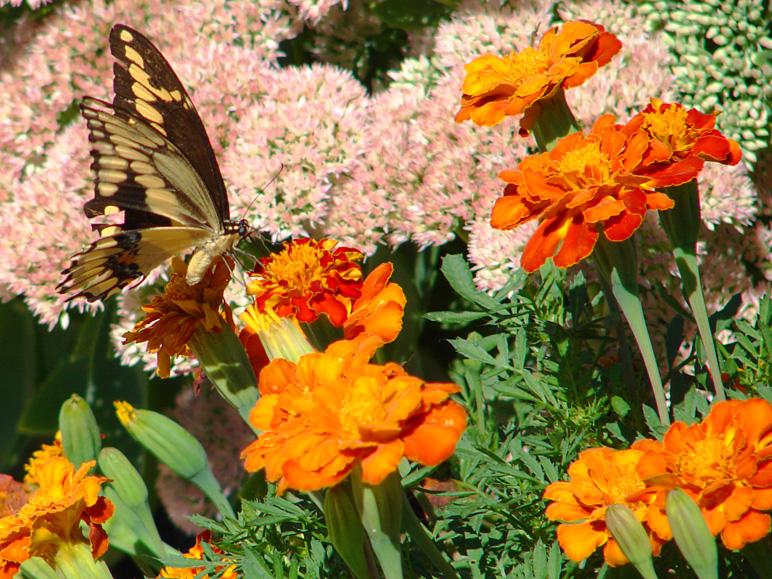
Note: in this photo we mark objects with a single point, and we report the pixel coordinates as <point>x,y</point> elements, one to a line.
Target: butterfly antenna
<point>273,180</point>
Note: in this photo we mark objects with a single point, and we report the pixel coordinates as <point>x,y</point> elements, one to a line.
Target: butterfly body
<point>152,160</point>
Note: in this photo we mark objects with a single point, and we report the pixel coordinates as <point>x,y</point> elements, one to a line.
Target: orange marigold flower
<point>307,278</point>
<point>51,518</point>
<point>333,410</point>
<point>197,552</point>
<point>172,318</point>
<point>379,309</point>
<point>601,477</point>
<point>584,185</point>
<point>724,463</point>
<point>680,142</point>
<point>497,87</point>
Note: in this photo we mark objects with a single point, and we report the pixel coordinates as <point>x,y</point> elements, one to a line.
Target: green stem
<point>682,225</point>
<point>617,263</point>
<point>413,527</point>
<point>690,276</point>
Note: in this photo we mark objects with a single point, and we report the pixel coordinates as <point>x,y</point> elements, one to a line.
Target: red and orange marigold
<point>680,141</point>
<point>497,87</point>
<point>331,411</point>
<point>724,463</point>
<point>308,278</point>
<point>601,477</point>
<point>584,186</point>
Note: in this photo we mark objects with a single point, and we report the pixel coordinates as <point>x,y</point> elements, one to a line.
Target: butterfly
<point>152,159</point>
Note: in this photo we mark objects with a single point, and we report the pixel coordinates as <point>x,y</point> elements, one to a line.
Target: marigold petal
<point>716,147</point>
<point>621,227</point>
<point>752,527</point>
<point>510,211</point>
<point>566,512</point>
<point>738,502</point>
<point>435,439</point>
<point>379,464</point>
<point>613,555</point>
<point>578,243</point>
<point>543,243</point>
<point>296,477</point>
<point>580,540</point>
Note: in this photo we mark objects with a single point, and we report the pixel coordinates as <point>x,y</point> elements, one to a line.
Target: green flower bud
<point>346,532</point>
<point>176,448</point>
<point>224,361</point>
<point>631,537</point>
<point>168,441</point>
<point>80,433</point>
<point>691,534</point>
<point>128,492</point>
<point>380,510</point>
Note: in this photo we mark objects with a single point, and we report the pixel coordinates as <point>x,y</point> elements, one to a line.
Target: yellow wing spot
<point>112,230</point>
<point>176,95</point>
<point>112,209</point>
<point>159,128</point>
<point>147,111</point>
<point>126,36</point>
<point>134,56</point>
<point>142,168</point>
<point>109,176</point>
<point>107,189</point>
<point>131,154</point>
<point>142,93</point>
<point>106,162</point>
<point>141,76</point>
<point>150,182</point>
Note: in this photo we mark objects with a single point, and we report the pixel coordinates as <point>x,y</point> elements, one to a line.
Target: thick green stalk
<point>682,225</point>
<point>617,263</point>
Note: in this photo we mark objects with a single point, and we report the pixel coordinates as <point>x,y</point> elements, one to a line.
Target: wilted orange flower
<point>307,278</point>
<point>497,87</point>
<point>333,410</point>
<point>583,186</point>
<point>724,463</point>
<point>379,309</point>
<point>680,142</point>
<point>197,552</point>
<point>601,477</point>
<point>50,520</point>
<point>172,318</point>
<point>46,453</point>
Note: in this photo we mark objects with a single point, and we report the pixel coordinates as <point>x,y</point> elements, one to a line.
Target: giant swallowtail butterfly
<point>152,160</point>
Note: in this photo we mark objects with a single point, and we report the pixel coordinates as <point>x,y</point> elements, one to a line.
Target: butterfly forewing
<point>152,161</point>
<point>146,85</point>
<point>138,170</point>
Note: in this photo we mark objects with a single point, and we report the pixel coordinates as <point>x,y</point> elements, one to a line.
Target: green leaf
<point>18,360</point>
<point>456,271</point>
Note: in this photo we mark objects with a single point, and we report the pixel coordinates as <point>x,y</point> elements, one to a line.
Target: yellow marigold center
<point>577,160</point>
<point>526,64</point>
<point>667,124</point>
<point>622,487</point>
<point>296,267</point>
<point>708,457</point>
<point>362,406</point>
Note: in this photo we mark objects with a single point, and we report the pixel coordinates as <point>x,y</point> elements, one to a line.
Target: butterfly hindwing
<point>114,261</point>
<point>146,85</point>
<point>153,163</point>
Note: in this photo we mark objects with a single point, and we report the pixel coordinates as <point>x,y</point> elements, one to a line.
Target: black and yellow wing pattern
<point>152,160</point>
